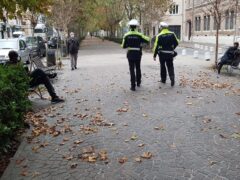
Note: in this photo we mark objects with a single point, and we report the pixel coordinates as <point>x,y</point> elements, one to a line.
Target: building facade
<point>200,25</point>
<point>174,17</point>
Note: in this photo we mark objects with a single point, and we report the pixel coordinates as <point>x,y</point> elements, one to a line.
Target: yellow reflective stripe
<point>145,37</point>
<point>136,49</point>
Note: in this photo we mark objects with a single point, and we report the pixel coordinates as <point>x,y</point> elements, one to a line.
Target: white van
<point>41,30</point>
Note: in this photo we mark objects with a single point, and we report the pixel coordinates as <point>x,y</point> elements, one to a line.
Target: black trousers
<point>135,71</point>
<point>170,67</point>
<point>40,77</point>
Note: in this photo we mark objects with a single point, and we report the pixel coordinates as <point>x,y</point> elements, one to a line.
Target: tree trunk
<point>216,47</point>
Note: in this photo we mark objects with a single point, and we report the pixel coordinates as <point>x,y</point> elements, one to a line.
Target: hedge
<point>14,102</point>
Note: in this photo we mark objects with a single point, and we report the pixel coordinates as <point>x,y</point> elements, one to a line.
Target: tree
<point>217,9</point>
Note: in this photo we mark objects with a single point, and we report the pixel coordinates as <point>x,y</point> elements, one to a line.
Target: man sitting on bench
<point>229,56</point>
<point>37,77</point>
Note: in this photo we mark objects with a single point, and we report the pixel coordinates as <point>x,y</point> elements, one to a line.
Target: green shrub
<point>14,102</point>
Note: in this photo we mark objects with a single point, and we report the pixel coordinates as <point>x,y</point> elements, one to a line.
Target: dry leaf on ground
<point>147,155</point>
<point>138,159</point>
<point>122,160</point>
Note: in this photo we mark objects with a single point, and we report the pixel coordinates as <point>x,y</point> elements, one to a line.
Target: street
<point>105,131</point>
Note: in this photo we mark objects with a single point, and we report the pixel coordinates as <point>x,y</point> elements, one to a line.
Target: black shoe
<point>172,83</point>
<point>163,81</point>
<point>56,100</point>
<point>133,89</point>
<point>138,84</point>
<point>75,67</point>
<point>72,69</point>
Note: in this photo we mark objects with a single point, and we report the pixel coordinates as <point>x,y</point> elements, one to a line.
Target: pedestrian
<point>133,41</point>
<point>73,47</point>
<point>38,77</point>
<point>164,46</point>
<point>229,56</point>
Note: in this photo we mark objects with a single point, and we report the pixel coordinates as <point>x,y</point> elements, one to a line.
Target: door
<point>189,30</point>
<point>24,53</point>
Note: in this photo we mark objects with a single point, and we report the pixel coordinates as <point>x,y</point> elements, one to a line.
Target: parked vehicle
<point>41,30</point>
<point>36,45</point>
<point>18,34</point>
<point>54,43</point>
<point>16,44</point>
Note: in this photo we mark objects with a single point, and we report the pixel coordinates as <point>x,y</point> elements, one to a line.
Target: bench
<point>36,62</point>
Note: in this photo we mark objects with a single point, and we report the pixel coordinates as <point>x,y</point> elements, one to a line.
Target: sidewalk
<point>104,131</point>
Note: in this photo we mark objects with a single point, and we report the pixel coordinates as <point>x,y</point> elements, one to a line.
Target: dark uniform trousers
<point>135,77</point>
<point>163,71</point>
<point>134,60</point>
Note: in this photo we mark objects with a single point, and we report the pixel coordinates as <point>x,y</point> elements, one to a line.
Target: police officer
<point>165,43</point>
<point>133,41</point>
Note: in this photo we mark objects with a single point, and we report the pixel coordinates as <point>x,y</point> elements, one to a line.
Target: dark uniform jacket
<point>165,44</point>
<point>132,41</point>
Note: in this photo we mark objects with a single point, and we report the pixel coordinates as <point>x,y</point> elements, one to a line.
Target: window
<point>232,19</point>
<point>22,45</point>
<point>206,23</point>
<point>154,31</point>
<point>173,9</point>
<point>229,19</point>
<point>198,23</point>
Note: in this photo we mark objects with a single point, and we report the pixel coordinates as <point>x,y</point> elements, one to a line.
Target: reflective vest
<point>133,40</point>
<point>165,42</point>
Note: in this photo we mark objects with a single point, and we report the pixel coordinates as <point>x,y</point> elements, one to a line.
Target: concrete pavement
<point>105,131</point>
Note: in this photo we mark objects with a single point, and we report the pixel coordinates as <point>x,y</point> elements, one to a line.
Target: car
<point>54,42</point>
<point>36,45</point>
<point>16,44</point>
<point>18,34</point>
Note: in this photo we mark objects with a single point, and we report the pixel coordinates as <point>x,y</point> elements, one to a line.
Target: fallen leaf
<point>78,141</point>
<point>211,163</point>
<point>24,173</point>
<point>73,165</point>
<point>134,137</point>
<point>19,161</point>
<point>207,120</point>
<point>92,158</point>
<point>138,159</point>
<point>238,113</point>
<point>122,160</point>
<point>223,136</point>
<point>146,155</point>
<point>141,145</point>
<point>65,139</point>
<point>145,115</point>
<point>35,174</point>
<point>68,157</point>
<point>173,146</point>
<point>122,110</point>
<point>103,155</point>
<point>236,136</point>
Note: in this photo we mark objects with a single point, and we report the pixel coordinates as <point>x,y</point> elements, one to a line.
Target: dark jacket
<point>229,55</point>
<point>73,46</point>
<point>133,41</point>
<point>165,42</point>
